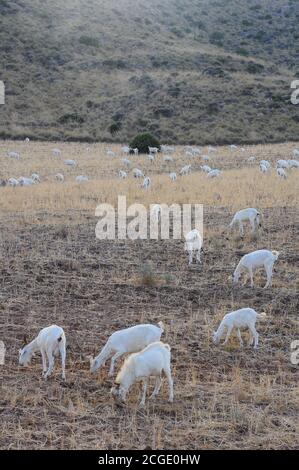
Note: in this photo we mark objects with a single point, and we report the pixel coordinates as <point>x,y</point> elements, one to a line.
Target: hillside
<point>190,71</point>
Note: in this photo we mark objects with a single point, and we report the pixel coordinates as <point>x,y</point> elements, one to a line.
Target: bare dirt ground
<point>54,270</point>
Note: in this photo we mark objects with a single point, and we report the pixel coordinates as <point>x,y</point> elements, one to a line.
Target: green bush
<point>114,127</point>
<point>144,141</point>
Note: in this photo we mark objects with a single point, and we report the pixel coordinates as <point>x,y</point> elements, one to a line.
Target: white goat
<point>153,150</point>
<point>186,170</point>
<point>23,181</point>
<point>35,177</point>
<point>14,155</point>
<point>81,178</point>
<point>213,173</point>
<point>56,152</point>
<point>136,151</point>
<point>110,153</point>
<point>137,173</point>
<point>70,162</point>
<point>13,182</point>
<point>50,341</point>
<point>256,259</point>
<point>296,152</point>
<point>293,163</point>
<point>146,183</point>
<point>126,341</point>
<point>122,174</point>
<point>266,163</point>
<point>205,158</point>
<point>281,173</point>
<point>206,168</point>
<point>126,150</point>
<point>151,157</point>
<point>59,177</point>
<point>173,176</point>
<point>263,168</point>
<point>251,159</point>
<point>193,245</point>
<point>211,149</point>
<point>150,362</point>
<point>126,161</point>
<point>282,164</point>
<point>27,140</point>
<point>167,158</point>
<point>242,318</point>
<point>241,216</point>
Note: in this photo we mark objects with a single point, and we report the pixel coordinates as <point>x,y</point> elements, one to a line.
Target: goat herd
<point>148,356</point>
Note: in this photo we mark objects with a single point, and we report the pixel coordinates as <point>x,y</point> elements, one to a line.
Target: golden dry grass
<point>54,270</point>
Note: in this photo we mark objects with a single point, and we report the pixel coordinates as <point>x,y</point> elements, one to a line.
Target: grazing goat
<point>27,140</point>
<point>153,150</point>
<point>263,168</point>
<point>50,341</point>
<point>150,362</point>
<point>293,163</point>
<point>296,152</point>
<point>251,159</point>
<point>59,177</point>
<point>13,182</point>
<point>35,177</point>
<point>167,158</point>
<point>137,173</point>
<point>213,173</point>
<point>122,174</point>
<point>126,341</point>
<point>136,151</point>
<point>126,161</point>
<point>282,164</point>
<point>242,318</point>
<point>81,179</point>
<point>110,153</point>
<point>186,170</point>
<point>173,176</point>
<point>266,163</point>
<point>26,181</point>
<point>56,152</point>
<point>206,168</point>
<point>126,150</point>
<point>205,158</point>
<point>14,155</point>
<point>256,259</point>
<point>146,183</point>
<point>193,245</point>
<point>241,216</point>
<point>70,162</point>
<point>281,173</point>
<point>151,157</point>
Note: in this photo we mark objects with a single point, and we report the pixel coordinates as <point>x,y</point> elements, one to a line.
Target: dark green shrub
<point>70,117</point>
<point>144,141</point>
<point>114,127</point>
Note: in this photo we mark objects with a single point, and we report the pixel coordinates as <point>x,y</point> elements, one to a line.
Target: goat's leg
<point>44,359</point>
<point>144,388</point>
<point>198,256</point>
<point>250,272</point>
<point>240,337</point>
<point>241,228</point>
<point>252,223</point>
<point>250,342</point>
<point>116,356</point>
<point>170,384</point>
<point>157,387</point>
<point>269,271</point>
<point>62,354</point>
<point>190,257</point>
<point>255,336</point>
<point>51,365</point>
<point>229,330</point>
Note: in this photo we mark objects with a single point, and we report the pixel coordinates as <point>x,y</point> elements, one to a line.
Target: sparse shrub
<point>253,67</point>
<point>89,41</point>
<point>147,275</point>
<point>144,141</point>
<point>70,117</point>
<point>114,127</point>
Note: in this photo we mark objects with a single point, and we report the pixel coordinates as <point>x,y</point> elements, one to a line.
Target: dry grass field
<point>54,270</point>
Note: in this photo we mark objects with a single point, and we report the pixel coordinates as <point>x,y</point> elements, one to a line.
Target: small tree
<point>143,141</point>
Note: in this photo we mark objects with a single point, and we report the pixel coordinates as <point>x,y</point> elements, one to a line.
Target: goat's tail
<point>166,346</point>
<point>275,254</point>
<point>261,316</point>
<point>161,325</point>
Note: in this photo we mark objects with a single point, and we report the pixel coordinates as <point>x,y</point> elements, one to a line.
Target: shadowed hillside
<point>189,71</point>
